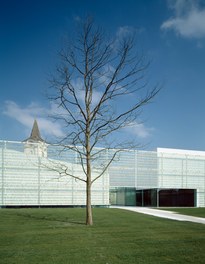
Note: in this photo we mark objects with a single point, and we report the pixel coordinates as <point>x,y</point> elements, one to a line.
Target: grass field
<point>198,212</point>
<point>38,236</point>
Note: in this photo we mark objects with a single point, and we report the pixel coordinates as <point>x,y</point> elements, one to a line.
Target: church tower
<point>35,145</point>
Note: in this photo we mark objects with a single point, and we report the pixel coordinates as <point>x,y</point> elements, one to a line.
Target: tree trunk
<point>89,216</point>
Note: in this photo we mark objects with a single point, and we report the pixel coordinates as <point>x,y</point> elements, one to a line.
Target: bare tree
<point>94,80</point>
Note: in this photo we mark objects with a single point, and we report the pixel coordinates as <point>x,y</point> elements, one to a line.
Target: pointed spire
<point>35,133</point>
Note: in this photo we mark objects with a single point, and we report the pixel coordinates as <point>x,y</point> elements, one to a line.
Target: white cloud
<point>124,32</point>
<point>26,116</point>
<point>139,130</point>
<point>188,20</point>
<point>127,31</point>
<point>80,90</point>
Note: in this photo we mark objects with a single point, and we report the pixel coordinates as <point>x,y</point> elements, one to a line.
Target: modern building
<point>29,176</point>
<point>165,177</point>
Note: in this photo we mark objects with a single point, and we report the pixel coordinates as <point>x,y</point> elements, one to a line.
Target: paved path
<point>163,214</point>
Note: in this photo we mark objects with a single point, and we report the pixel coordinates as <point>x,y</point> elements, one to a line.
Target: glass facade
<point>164,177</point>
<point>123,196</point>
<point>167,177</point>
<point>166,198</point>
<point>27,179</point>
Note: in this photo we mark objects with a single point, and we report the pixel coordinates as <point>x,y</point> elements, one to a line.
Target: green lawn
<point>49,236</point>
<point>198,212</point>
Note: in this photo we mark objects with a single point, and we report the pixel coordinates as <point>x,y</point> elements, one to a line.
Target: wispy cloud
<point>188,20</point>
<point>128,31</point>
<point>80,91</point>
<point>124,32</point>
<point>26,116</point>
<point>139,130</point>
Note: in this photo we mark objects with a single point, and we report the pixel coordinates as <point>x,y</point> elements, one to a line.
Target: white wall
<point>182,169</point>
<point>30,180</point>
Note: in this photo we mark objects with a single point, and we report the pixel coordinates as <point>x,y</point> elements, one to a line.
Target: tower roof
<point>35,133</point>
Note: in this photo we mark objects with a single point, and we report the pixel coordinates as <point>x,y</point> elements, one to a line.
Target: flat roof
<point>181,151</point>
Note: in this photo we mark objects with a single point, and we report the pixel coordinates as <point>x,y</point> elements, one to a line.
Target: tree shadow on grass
<point>66,222</point>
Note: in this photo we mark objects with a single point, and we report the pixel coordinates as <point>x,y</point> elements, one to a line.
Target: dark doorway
<point>177,198</point>
<point>166,197</point>
<point>146,197</point>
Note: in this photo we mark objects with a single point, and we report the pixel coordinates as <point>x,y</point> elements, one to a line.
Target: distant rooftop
<point>35,134</point>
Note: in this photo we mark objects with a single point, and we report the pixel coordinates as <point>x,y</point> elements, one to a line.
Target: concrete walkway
<point>163,214</point>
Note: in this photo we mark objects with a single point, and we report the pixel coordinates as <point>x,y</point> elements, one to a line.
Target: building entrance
<point>166,197</point>
<point>153,197</point>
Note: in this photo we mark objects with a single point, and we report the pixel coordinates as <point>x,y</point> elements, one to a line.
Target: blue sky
<point>171,32</point>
